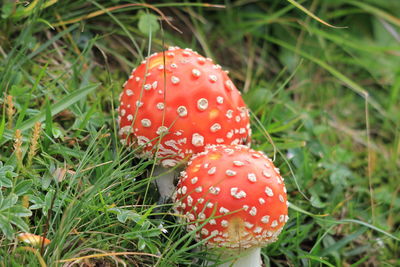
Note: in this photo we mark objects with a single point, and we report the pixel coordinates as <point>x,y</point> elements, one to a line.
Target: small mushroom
<point>32,239</point>
<point>239,196</point>
<point>177,102</point>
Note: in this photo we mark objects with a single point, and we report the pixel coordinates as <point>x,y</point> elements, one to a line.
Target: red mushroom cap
<point>186,99</point>
<point>237,192</point>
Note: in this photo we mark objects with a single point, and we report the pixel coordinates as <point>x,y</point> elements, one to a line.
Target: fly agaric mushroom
<point>174,104</point>
<point>238,196</point>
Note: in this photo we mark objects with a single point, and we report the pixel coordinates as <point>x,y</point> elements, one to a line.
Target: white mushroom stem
<point>164,182</point>
<point>248,258</point>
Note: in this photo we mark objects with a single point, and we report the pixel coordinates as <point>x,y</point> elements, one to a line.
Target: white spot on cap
<point>212,222</point>
<point>175,80</point>
<point>202,104</point>
<point>238,163</point>
<point>274,223</point>
<point>201,60</point>
<point>261,200</point>
<point>212,170</point>
<point>252,177</point>
<point>229,114</point>
<point>174,66</point>
<point>230,172</point>
<point>161,129</point>
<point>220,100</point>
<point>204,231</point>
<point>224,223</point>
<point>257,230</point>
<point>182,111</point>
<point>129,92</point>
<point>219,140</point>
<point>184,189</point>
<point>139,104</point>
<point>197,140</point>
<point>130,117</point>
<point>281,199</point>
<point>248,225</point>
<point>281,218</point>
<point>268,191</point>
<point>256,156</point>
<point>137,79</point>
<point>267,174</point>
<point>214,190</point>
<point>253,211</point>
<point>154,85</point>
<point>146,122</point>
<point>245,207</point>
<point>223,210</point>
<point>194,180</point>
<point>123,112</point>
<point>209,205</point>
<point>190,216</point>
<point>229,85</point>
<point>265,219</point>
<point>196,72</point>
<point>160,106</point>
<point>161,67</point>
<point>229,151</point>
<point>236,193</point>
<point>214,232</point>
<point>215,127</point>
<point>198,189</point>
<point>189,201</point>
<point>213,78</point>
<point>147,87</point>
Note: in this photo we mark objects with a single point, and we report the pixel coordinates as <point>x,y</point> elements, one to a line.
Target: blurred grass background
<point>328,97</point>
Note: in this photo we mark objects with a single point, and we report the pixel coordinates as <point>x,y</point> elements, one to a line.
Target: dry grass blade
<point>100,255</point>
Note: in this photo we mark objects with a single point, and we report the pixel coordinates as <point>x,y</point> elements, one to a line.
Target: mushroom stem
<point>164,183</point>
<point>249,258</point>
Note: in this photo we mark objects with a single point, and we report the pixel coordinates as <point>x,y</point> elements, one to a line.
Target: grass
<point>324,102</point>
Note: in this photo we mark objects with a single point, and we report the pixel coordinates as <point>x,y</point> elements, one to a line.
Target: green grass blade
<point>61,105</point>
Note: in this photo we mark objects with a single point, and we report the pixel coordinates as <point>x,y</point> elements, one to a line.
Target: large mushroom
<point>236,199</point>
<point>174,104</point>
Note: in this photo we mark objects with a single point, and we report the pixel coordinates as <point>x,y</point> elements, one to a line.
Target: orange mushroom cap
<point>187,100</point>
<point>237,192</point>
<point>32,239</point>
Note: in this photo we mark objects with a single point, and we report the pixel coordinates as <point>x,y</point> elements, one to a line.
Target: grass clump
<point>324,102</point>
